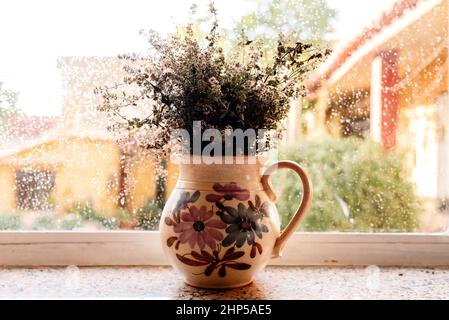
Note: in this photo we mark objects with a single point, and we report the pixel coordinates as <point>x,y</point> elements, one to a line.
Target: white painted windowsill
<point>130,264</point>
<point>143,248</point>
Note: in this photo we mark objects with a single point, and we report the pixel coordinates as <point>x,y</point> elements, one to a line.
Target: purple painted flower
<point>228,192</point>
<point>197,228</point>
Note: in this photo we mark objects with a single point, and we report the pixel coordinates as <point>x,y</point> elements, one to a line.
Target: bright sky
<point>34,33</point>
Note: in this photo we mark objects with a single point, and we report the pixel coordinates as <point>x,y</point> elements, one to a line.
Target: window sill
<point>143,248</point>
<point>272,283</point>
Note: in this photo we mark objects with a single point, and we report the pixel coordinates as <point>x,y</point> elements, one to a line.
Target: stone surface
<point>273,283</point>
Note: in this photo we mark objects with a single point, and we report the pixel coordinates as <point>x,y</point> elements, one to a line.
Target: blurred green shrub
<point>147,217</point>
<point>357,187</point>
<point>88,214</point>
<point>9,221</point>
<point>84,215</point>
<point>44,222</point>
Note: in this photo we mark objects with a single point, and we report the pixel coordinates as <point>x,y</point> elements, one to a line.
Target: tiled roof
<point>345,50</point>
<point>29,126</point>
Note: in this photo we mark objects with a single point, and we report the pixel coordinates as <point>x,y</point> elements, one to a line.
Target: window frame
<point>144,248</point>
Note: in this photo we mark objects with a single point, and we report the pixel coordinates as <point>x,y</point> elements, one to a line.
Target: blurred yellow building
<point>74,159</point>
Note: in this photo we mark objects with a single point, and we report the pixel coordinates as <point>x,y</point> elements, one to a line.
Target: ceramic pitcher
<point>220,225</point>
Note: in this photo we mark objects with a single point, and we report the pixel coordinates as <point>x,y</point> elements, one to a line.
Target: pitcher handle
<point>303,207</point>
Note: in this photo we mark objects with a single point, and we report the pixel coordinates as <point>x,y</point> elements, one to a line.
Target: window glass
<point>373,132</point>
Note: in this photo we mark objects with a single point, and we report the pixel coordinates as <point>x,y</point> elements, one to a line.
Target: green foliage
<point>18,220</point>
<point>88,213</point>
<point>296,19</point>
<point>352,174</point>
<point>7,96</point>
<point>8,108</point>
<point>147,217</point>
<point>9,221</point>
<point>70,221</point>
<point>83,214</point>
<point>44,222</point>
<point>306,19</point>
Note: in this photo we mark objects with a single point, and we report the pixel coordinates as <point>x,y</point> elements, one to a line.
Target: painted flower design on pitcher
<point>227,192</point>
<point>259,207</point>
<point>183,203</point>
<point>230,226</point>
<point>214,262</point>
<point>244,224</point>
<point>198,228</point>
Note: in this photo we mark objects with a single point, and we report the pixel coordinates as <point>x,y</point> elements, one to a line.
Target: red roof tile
<point>29,126</point>
<point>339,56</point>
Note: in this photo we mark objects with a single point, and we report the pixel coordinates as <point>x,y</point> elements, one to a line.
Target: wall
<point>86,170</point>
<point>7,190</point>
<point>141,180</point>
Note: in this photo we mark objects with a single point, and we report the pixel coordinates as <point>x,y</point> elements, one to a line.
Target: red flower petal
<point>238,266</point>
<point>213,197</point>
<point>218,188</point>
<point>191,262</point>
<point>209,269</point>
<point>186,216</point>
<point>217,235</point>
<point>259,247</point>
<point>193,240</point>
<point>231,187</point>
<point>171,240</point>
<point>201,257</point>
<point>228,252</point>
<point>206,255</point>
<point>209,241</point>
<point>183,226</point>
<point>242,196</point>
<point>222,271</point>
<point>216,224</point>
<point>200,240</point>
<point>253,251</point>
<point>234,255</point>
<point>186,236</point>
<point>195,212</point>
<point>205,214</point>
